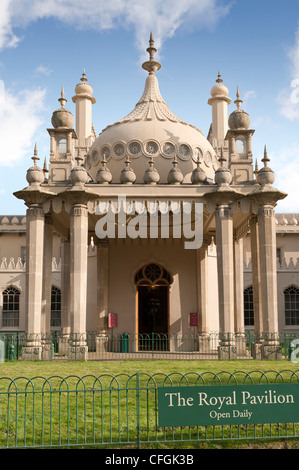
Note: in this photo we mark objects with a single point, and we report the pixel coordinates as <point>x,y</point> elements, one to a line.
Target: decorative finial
<point>219,79</point>
<point>151,176</point>
<point>238,101</point>
<point>198,175</point>
<point>127,175</point>
<point>223,177</point>
<point>83,78</point>
<point>45,168</point>
<point>266,159</point>
<point>265,175</point>
<point>62,99</point>
<point>104,175</point>
<point>222,158</point>
<point>256,170</point>
<point>151,65</point>
<point>175,176</point>
<point>35,156</point>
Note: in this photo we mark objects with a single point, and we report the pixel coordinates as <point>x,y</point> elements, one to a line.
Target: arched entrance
<point>152,283</point>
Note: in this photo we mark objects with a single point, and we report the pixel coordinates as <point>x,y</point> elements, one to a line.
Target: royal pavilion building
<point>149,230</point>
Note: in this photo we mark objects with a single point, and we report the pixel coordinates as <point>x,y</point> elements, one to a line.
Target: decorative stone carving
<point>119,150</point>
<point>134,148</point>
<point>151,147</point>
<point>184,152</point>
<point>151,176</point>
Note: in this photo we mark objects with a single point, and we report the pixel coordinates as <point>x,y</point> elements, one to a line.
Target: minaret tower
<point>219,101</point>
<point>240,143</point>
<point>84,101</point>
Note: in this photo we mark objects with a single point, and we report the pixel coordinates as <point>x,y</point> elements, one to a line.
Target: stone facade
<point>150,221</point>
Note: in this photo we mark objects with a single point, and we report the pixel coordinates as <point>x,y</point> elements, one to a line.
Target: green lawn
<point>63,369</point>
<point>103,411</point>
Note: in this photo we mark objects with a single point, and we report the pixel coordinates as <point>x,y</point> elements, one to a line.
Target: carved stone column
<point>239,297</point>
<point>78,280</point>
<point>225,265</point>
<point>65,296</point>
<point>202,298</point>
<point>102,285</point>
<point>202,288</point>
<point>268,280</point>
<point>34,281</point>
<point>47,285</point>
<point>256,287</point>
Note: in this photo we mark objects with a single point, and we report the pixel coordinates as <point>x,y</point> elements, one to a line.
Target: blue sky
<point>45,44</point>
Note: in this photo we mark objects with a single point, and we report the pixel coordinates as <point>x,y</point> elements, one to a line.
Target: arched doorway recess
<point>152,282</point>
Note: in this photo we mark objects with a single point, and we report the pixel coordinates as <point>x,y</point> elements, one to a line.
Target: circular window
<point>184,151</point>
<point>96,157</point>
<point>151,148</point>
<point>119,150</point>
<point>105,152</point>
<point>197,155</point>
<point>168,149</point>
<point>208,158</point>
<point>134,148</point>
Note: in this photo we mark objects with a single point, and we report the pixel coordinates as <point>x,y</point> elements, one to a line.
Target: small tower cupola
<point>84,100</point>
<point>219,101</point>
<point>240,143</point>
<point>62,142</point>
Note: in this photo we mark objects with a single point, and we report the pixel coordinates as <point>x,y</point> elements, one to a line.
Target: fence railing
<point>118,410</point>
<point>94,346</point>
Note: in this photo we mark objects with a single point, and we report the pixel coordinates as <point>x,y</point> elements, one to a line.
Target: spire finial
<point>83,78</point>
<point>35,155</point>
<point>151,65</point>
<point>62,99</point>
<point>238,101</point>
<point>219,79</point>
<point>266,159</point>
<point>222,158</point>
<point>256,170</point>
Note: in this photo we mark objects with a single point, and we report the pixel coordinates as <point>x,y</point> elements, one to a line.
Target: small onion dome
<point>151,176</point>
<point>127,175</point>
<point>238,119</point>
<point>223,176</point>
<point>35,175</point>
<point>62,117</point>
<point>79,175</point>
<point>104,175</point>
<point>83,88</point>
<point>265,175</point>
<point>284,221</point>
<point>198,175</point>
<point>175,176</point>
<point>219,89</point>
<point>293,221</point>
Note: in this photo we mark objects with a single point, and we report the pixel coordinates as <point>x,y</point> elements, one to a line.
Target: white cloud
<point>285,164</point>
<point>43,70</point>
<point>20,119</point>
<point>289,98</point>
<point>162,17</point>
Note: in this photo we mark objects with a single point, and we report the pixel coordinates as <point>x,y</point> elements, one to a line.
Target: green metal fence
<point>151,346</point>
<point>118,410</point>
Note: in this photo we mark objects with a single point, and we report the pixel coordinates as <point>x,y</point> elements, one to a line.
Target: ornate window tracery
<point>291,305</point>
<point>55,306</point>
<point>11,307</point>
<point>153,274</point>
<point>248,307</point>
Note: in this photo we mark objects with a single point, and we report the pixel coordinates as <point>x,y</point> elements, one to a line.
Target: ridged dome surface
<point>151,130</point>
